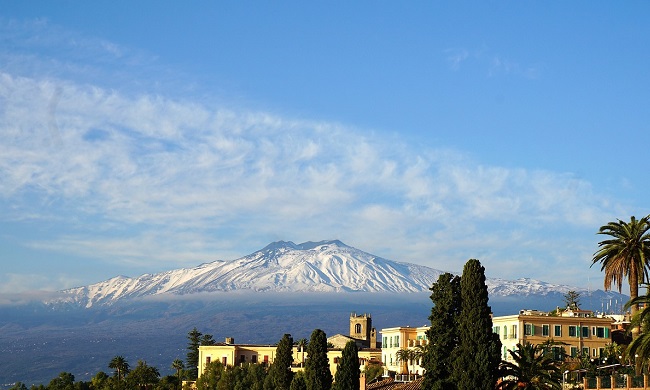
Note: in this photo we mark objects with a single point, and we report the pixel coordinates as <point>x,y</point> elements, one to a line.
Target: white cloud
<point>171,173</point>
<point>158,180</point>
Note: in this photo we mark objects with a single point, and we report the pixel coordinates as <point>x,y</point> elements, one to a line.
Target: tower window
<point>357,328</point>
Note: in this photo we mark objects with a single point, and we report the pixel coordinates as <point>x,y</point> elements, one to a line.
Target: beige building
<point>394,339</point>
<point>584,333</point>
<point>231,354</point>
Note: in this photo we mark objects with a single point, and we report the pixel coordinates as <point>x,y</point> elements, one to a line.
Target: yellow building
<point>231,354</point>
<point>584,333</point>
<point>394,339</point>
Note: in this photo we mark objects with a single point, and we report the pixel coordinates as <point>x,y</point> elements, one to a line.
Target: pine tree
<point>443,333</point>
<point>280,374</point>
<point>477,358</point>
<point>194,337</point>
<point>347,371</point>
<point>317,370</point>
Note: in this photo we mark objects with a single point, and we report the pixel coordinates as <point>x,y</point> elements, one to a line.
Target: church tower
<point>361,329</point>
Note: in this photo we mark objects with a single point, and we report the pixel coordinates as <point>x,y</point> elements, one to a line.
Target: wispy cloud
<point>493,63</point>
<point>163,180</point>
<point>154,179</point>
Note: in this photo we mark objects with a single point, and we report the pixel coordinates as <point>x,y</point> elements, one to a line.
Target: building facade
<point>231,354</point>
<point>584,333</point>
<point>403,338</point>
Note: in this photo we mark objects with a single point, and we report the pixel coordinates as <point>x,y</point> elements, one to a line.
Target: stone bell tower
<point>361,329</point>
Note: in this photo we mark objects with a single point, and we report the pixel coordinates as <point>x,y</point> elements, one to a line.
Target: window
<point>207,360</point>
<point>557,330</point>
<point>242,359</point>
<point>254,359</point>
<point>574,352</point>
<point>601,352</point>
<point>384,343</point>
<point>397,341</point>
<point>572,331</point>
<point>585,331</point>
<point>505,353</point>
<point>546,330</point>
<point>529,329</point>
<point>585,352</point>
<point>357,328</point>
<point>602,332</point>
<point>496,329</point>
<point>513,333</point>
<point>224,361</point>
<point>266,359</point>
<point>558,353</point>
<point>505,332</point>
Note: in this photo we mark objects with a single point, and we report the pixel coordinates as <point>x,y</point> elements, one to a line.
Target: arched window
<point>357,328</point>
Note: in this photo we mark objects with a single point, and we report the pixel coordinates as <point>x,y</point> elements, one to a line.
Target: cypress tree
<point>347,371</point>
<point>443,333</point>
<point>298,382</point>
<point>280,374</point>
<point>317,370</point>
<point>477,357</point>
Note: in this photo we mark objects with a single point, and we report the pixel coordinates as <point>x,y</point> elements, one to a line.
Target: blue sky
<point>145,136</point>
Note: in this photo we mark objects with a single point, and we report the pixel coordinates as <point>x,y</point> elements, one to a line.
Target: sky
<point>139,137</point>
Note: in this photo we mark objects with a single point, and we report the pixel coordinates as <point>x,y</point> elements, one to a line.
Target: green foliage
<point>437,358</point>
<point>572,300</point>
<point>179,366</point>
<point>298,382</point>
<point>625,255</point>
<point>531,368</point>
<point>347,371</point>
<point>374,370</point>
<point>317,371</point>
<point>168,382</point>
<point>100,381</point>
<point>142,375</point>
<point>477,357</point>
<point>65,381</point>
<point>194,341</point>
<point>18,386</point>
<point>252,378</point>
<point>207,339</point>
<point>640,345</point>
<point>120,367</point>
<point>280,374</point>
<point>210,377</point>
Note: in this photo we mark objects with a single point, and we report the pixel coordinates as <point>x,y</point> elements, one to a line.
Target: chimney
<point>230,340</point>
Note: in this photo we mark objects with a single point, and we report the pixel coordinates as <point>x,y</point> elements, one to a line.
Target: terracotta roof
<point>385,384</point>
<point>390,384</point>
<point>414,385</point>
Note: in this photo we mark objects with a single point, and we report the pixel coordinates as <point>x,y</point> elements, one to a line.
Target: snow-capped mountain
<point>325,266</point>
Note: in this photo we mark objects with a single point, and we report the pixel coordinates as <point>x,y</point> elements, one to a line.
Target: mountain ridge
<point>283,266</point>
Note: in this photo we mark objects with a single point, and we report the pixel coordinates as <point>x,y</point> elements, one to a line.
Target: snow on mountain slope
<point>325,266</point>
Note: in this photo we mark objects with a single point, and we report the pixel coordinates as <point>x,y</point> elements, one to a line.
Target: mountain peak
<point>283,266</point>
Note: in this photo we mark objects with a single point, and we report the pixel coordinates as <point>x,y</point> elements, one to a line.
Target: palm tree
<point>121,367</point>
<point>178,365</point>
<point>639,348</point>
<point>302,344</point>
<point>531,369</point>
<point>403,356</point>
<point>625,255</point>
<point>418,354</point>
